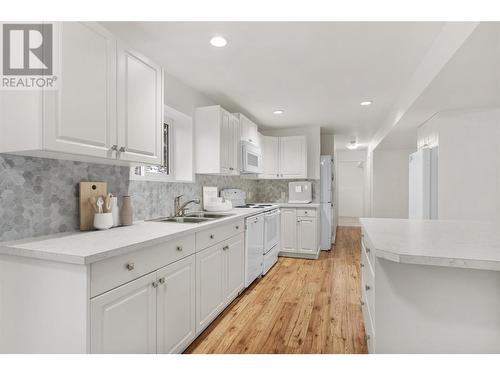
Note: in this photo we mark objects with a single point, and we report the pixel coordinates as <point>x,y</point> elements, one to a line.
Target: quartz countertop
<point>88,247</point>
<point>463,244</point>
<point>300,205</point>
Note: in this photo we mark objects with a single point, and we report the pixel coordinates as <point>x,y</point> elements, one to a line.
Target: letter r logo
<point>27,49</point>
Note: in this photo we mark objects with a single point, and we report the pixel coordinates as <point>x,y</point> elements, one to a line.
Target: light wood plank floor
<point>300,306</point>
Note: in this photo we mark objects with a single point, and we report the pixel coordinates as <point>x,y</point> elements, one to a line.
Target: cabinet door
<point>307,235</point>
<point>235,267</point>
<point>80,117</point>
<point>293,157</point>
<point>140,108</point>
<point>271,157</point>
<point>209,285</point>
<point>289,230</point>
<point>235,146</point>
<point>226,141</point>
<point>176,306</point>
<point>123,320</point>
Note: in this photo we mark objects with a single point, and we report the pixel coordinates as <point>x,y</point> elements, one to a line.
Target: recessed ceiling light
<point>218,41</point>
<point>279,112</point>
<point>353,145</point>
<point>365,103</point>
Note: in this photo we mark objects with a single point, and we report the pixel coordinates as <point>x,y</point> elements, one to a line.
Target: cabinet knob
<point>367,337</point>
<point>367,249</point>
<point>155,284</point>
<point>249,140</point>
<point>277,175</point>
<point>114,148</point>
<point>237,227</point>
<point>130,266</point>
<point>305,212</point>
<point>123,149</point>
<point>362,302</point>
<point>362,265</point>
<point>179,248</point>
<point>162,280</point>
<point>225,248</point>
<point>212,236</point>
<point>367,287</point>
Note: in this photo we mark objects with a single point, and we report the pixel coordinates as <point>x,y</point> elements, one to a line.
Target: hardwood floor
<point>300,306</point>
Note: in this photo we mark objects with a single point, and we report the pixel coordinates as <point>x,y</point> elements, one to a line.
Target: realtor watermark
<point>27,56</point>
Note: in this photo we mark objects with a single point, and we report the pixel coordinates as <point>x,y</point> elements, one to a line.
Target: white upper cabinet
<point>284,157</point>
<point>80,117</point>
<point>216,141</point>
<point>107,105</point>
<point>140,108</point>
<point>293,157</point>
<point>249,130</point>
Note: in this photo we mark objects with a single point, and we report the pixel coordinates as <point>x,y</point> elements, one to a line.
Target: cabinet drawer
<point>368,289</point>
<point>367,249</point>
<point>309,212</point>
<point>110,273</point>
<point>209,237</point>
<point>368,323</point>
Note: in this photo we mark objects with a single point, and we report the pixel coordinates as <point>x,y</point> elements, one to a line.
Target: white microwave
<point>251,158</point>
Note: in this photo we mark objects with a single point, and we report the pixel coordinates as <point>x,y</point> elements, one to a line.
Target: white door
<point>235,267</point>
<point>209,285</point>
<point>351,188</point>
<point>293,157</point>
<point>140,108</point>
<point>271,157</point>
<point>80,117</point>
<point>289,230</point>
<point>307,235</point>
<point>176,301</point>
<point>123,320</point>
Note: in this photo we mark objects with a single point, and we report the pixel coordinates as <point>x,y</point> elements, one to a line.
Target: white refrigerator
<point>423,184</point>
<point>328,224</point>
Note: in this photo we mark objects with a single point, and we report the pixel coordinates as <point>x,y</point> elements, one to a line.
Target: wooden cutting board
<point>88,190</point>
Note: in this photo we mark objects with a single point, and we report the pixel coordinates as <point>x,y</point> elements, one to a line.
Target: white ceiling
<point>318,73</point>
<point>470,80</point>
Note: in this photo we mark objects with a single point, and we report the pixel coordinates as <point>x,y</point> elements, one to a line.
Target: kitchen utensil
<point>93,201</point>
<point>100,203</point>
<point>107,203</point>
<point>87,209</point>
<point>103,220</point>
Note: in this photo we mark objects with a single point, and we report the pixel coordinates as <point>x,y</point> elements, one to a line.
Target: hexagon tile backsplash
<point>40,196</point>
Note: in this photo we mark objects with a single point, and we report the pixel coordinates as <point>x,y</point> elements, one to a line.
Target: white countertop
<point>300,205</point>
<point>92,246</point>
<point>463,244</point>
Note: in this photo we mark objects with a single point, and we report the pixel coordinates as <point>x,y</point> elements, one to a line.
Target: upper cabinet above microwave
<point>217,141</point>
<point>108,106</point>
<point>248,130</point>
<point>284,157</point>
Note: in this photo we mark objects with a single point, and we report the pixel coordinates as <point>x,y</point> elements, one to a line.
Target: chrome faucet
<point>180,209</point>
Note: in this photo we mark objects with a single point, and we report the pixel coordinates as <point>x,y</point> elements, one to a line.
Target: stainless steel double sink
<point>193,218</point>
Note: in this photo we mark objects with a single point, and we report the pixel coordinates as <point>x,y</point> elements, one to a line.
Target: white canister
<point>115,210</point>
<point>103,221</point>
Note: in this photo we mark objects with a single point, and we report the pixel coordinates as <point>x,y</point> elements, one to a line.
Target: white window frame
<point>171,117</point>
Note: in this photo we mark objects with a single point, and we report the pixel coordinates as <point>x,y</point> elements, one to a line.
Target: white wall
<point>313,134</point>
<point>327,144</point>
<point>390,183</point>
<point>469,163</point>
<point>182,97</point>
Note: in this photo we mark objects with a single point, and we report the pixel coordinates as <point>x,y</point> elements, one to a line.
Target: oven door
<point>271,230</point>
<point>251,159</point>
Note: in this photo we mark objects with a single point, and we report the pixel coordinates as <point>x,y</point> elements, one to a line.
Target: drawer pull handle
<point>362,302</point>
<point>155,284</point>
<point>225,248</point>
<point>367,287</point>
<point>362,265</point>
<point>162,280</point>
<point>130,266</point>
<point>367,250</point>
<point>367,337</point>
<point>212,236</point>
<point>179,248</point>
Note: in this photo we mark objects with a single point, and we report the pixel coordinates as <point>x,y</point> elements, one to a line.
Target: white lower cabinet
<point>123,320</point>
<point>219,278</point>
<point>176,301</point>
<point>299,232</point>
